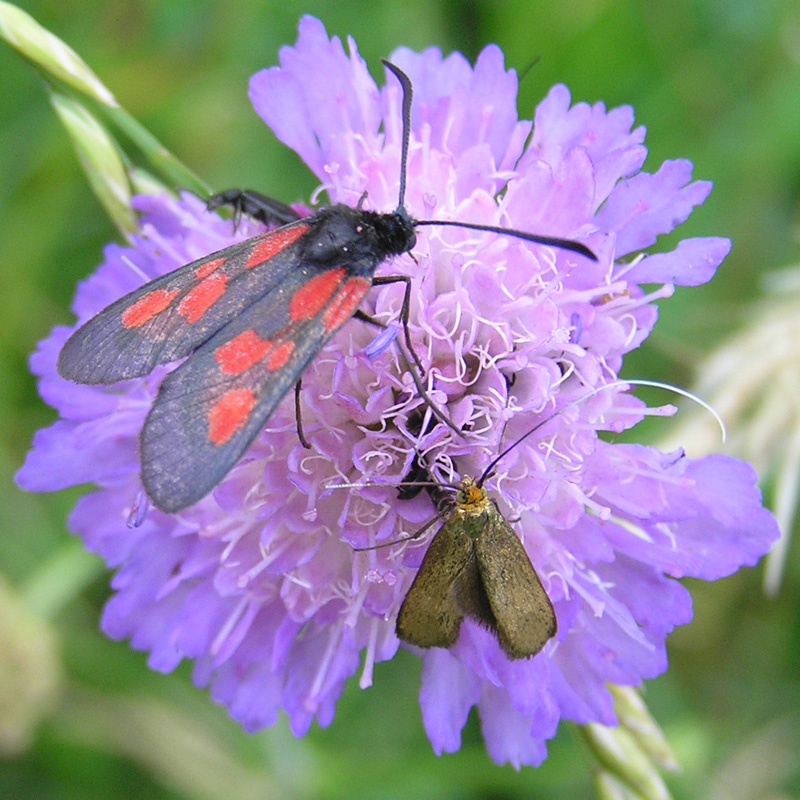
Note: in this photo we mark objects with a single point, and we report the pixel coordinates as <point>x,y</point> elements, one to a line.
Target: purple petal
<point>73,401</point>
<point>447,692</point>
<point>614,149</point>
<point>70,453</point>
<point>692,263</point>
<point>642,208</point>
<point>317,98</point>
<point>507,732</point>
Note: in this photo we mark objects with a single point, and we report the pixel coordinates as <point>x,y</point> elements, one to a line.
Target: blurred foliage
<point>717,83</point>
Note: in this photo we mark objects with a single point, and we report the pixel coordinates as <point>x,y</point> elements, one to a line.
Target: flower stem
<point>174,171</point>
<point>66,74</point>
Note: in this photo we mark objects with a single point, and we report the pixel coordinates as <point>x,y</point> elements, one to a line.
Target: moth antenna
<point>440,503</point>
<point>417,533</point>
<point>614,384</point>
<point>408,94</point>
<point>375,484</point>
<point>550,241</point>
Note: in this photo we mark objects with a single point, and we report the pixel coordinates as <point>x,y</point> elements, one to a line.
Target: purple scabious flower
<point>259,583</point>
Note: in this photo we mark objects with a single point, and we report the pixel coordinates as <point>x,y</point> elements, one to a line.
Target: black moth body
<point>247,349</point>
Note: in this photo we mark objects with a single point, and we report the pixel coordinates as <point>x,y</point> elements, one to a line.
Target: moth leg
<point>412,369</point>
<point>364,317</point>
<point>417,533</point>
<point>298,387</point>
<point>435,410</point>
<point>404,312</point>
<point>254,204</point>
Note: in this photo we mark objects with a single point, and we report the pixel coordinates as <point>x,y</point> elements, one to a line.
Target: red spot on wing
<point>248,349</point>
<point>199,299</point>
<point>280,355</point>
<point>275,241</point>
<point>228,414</point>
<point>204,270</point>
<point>146,307</point>
<point>345,303</point>
<point>241,352</point>
<point>312,297</point>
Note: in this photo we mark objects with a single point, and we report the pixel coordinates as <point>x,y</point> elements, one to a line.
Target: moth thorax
<point>470,494</point>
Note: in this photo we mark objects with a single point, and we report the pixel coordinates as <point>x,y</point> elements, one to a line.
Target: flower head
<point>259,583</point>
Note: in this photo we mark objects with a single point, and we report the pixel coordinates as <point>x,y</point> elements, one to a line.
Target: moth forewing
<point>524,616</point>
<point>430,615</point>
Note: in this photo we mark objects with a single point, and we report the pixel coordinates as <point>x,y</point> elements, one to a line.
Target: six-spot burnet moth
<point>250,317</point>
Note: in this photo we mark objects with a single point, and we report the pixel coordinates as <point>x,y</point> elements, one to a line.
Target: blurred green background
<point>715,82</point>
